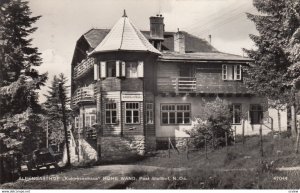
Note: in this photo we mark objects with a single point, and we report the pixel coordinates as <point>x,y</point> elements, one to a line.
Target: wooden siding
<point>111,129</point>
<point>132,84</point>
<point>205,79</point>
<point>110,84</point>
<point>149,128</point>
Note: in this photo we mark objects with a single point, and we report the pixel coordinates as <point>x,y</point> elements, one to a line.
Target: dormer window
<point>231,72</point>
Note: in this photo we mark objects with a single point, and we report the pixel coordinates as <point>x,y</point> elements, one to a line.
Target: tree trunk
<point>279,122</point>
<point>293,121</point>
<point>261,141</point>
<point>243,132</point>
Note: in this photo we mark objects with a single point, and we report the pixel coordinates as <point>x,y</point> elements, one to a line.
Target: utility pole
<point>62,100</point>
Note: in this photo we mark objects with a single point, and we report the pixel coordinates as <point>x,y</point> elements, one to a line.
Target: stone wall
<point>119,148</point>
<point>88,153</point>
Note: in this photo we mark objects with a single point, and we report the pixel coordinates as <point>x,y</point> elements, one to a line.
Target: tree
<point>53,107</point>
<point>212,125</point>
<point>18,78</point>
<point>270,73</point>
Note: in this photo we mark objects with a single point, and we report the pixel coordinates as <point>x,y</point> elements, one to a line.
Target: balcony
<point>84,95</point>
<point>83,67</point>
<point>199,85</point>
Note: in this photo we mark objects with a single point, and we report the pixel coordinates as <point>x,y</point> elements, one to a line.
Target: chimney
<point>179,42</point>
<point>209,39</point>
<point>157,28</point>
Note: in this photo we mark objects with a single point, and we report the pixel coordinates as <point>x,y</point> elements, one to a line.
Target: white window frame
<point>175,110</point>
<point>111,110</point>
<point>129,67</point>
<point>88,120</point>
<point>235,72</point>
<point>132,112</point>
<point>149,113</point>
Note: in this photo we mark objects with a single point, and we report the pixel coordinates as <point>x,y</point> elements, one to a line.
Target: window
<point>111,113</point>
<point>131,70</point>
<point>149,113</point>
<point>175,114</point>
<point>256,113</point>
<point>236,111</point>
<point>76,122</point>
<point>132,114</point>
<point>90,120</point>
<point>111,69</point>
<point>231,72</point>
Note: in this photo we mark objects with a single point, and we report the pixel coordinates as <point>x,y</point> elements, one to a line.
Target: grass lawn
<point>238,167</point>
<point>236,156</point>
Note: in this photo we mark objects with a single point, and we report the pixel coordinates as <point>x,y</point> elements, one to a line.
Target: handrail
<point>197,85</point>
<point>83,67</point>
<point>83,94</point>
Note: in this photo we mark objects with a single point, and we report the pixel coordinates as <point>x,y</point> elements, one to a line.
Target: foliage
<point>53,109</point>
<point>18,78</point>
<point>273,71</point>
<point>21,132</point>
<point>212,124</point>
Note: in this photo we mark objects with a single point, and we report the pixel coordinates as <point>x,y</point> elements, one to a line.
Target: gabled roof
<point>95,36</point>
<point>126,37</point>
<point>192,43</point>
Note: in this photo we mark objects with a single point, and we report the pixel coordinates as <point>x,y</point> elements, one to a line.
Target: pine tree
<point>19,81</point>
<point>270,74</point>
<point>53,109</point>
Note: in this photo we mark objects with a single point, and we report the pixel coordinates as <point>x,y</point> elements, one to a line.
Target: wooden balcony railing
<point>184,84</point>
<point>197,85</point>
<point>83,95</point>
<point>83,67</point>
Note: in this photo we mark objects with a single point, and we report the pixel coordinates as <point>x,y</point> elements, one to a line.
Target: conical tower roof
<point>124,36</point>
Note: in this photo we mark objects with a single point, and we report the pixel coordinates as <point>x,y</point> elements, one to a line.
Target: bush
<point>212,124</point>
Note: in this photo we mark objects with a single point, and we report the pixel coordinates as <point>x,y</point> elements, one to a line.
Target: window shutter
<point>96,72</point>
<point>235,72</point>
<point>76,122</point>
<point>224,72</point>
<point>140,69</point>
<point>123,73</point>
<point>240,72</point>
<point>118,68</point>
<point>103,69</point>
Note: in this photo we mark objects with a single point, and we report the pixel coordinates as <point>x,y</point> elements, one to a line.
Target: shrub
<point>212,124</point>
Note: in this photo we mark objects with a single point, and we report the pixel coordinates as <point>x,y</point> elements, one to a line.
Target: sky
<point>64,21</point>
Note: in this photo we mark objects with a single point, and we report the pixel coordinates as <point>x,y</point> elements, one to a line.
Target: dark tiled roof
<point>192,43</point>
<point>211,56</point>
<point>95,36</point>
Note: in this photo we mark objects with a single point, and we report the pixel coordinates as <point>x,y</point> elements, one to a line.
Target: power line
<point>222,22</point>
<point>216,17</point>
